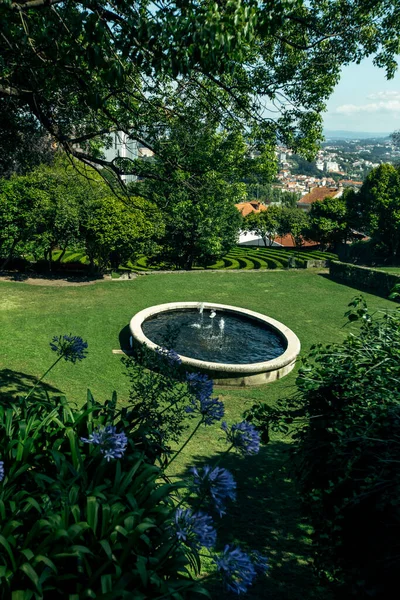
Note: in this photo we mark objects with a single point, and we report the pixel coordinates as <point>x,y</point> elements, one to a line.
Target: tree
<point>88,67</point>
<point>265,224</point>
<point>113,232</point>
<point>56,207</point>
<point>294,222</point>
<point>196,195</point>
<point>375,209</point>
<point>24,143</point>
<point>290,199</point>
<point>328,221</point>
<point>19,215</point>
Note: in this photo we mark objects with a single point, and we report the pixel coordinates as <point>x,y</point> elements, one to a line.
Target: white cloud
<point>385,95</point>
<point>384,106</point>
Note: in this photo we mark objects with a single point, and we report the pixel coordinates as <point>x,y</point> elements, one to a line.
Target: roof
<point>318,193</point>
<point>350,182</point>
<point>250,207</point>
<point>287,242</point>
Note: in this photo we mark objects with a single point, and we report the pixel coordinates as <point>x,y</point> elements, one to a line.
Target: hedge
<point>364,277</point>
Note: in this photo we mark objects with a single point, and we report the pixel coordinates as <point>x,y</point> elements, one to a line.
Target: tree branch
<point>7,90</point>
<point>33,4</point>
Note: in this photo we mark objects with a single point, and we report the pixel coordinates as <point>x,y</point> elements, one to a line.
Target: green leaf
<point>33,576</point>
<point>92,509</point>
<point>9,551</point>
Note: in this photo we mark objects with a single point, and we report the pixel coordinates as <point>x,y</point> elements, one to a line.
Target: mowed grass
<point>267,515</point>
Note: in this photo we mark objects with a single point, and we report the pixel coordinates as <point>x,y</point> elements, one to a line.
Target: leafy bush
<point>85,512</point>
<point>345,421</point>
<point>74,525</point>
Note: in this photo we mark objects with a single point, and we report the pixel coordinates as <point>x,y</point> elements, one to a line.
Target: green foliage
<point>270,193</point>
<point>345,421</point>
<point>83,71</point>
<point>375,209</point>
<point>73,525</point>
<point>294,222</point>
<point>266,223</point>
<point>328,221</point>
<point>24,144</point>
<point>304,167</point>
<point>252,257</point>
<point>157,401</point>
<point>58,207</point>
<point>113,233</point>
<point>194,180</point>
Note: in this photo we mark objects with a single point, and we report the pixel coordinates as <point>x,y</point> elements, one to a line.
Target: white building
<point>122,146</point>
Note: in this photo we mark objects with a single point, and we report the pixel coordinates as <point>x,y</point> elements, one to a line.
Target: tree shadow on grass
<point>358,287</point>
<point>15,383</point>
<point>267,517</point>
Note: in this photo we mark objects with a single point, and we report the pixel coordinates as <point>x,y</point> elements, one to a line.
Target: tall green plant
<point>345,422</point>
<point>85,514</point>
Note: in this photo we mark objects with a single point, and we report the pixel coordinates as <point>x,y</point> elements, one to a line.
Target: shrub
<point>347,453</point>
<point>74,525</point>
<point>84,512</point>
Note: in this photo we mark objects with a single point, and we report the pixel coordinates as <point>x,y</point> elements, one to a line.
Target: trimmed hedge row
<point>364,277</point>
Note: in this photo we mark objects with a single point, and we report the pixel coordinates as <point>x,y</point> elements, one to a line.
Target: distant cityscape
<point>339,162</point>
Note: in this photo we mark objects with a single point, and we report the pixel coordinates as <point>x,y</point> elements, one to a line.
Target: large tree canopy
<point>375,209</point>
<point>83,68</point>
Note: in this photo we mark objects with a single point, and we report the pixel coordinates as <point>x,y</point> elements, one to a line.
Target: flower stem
<point>43,376</point>
<point>186,443</point>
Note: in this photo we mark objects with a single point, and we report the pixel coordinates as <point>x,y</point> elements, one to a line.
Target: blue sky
<point>364,100</point>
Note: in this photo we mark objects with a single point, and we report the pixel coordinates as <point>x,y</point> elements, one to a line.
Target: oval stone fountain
<point>234,346</point>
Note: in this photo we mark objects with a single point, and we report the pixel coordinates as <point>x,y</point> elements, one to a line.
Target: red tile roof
<point>318,193</point>
<point>287,242</point>
<point>249,207</point>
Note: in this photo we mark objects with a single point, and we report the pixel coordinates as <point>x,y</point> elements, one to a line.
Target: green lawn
<point>267,515</point>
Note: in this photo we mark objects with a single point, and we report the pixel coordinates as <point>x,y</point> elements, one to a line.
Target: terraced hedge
<point>250,257</point>
<point>241,257</point>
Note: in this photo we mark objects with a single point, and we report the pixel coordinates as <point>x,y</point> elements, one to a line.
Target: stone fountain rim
<point>288,356</point>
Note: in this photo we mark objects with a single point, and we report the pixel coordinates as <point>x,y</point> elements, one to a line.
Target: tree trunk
<point>10,255</point>
<point>59,259</point>
<point>189,263</point>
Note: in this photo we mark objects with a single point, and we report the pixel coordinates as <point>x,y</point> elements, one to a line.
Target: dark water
<point>241,341</point>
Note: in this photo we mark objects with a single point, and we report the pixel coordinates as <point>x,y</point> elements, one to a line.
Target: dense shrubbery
<point>86,510</point>
<point>346,423</point>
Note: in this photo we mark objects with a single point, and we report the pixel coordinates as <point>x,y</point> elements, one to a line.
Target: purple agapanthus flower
<point>243,436</point>
<point>237,569</point>
<point>2,472</point>
<point>214,486</point>
<point>70,347</point>
<point>194,529</point>
<point>170,356</point>
<point>112,444</point>
<point>260,562</point>
<point>210,409</point>
<point>201,385</point>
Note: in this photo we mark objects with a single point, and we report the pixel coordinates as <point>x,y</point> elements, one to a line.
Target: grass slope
<point>267,515</point>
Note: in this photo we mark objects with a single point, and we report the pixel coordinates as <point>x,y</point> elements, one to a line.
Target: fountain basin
<point>227,373</point>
